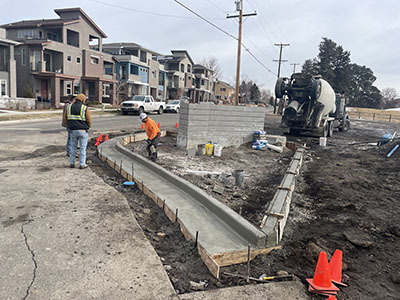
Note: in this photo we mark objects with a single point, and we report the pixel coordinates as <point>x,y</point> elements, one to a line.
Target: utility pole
<point>239,8</point>
<point>294,66</point>
<point>280,45</point>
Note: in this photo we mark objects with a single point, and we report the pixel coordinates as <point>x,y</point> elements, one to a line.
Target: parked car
<point>173,106</point>
<point>142,103</point>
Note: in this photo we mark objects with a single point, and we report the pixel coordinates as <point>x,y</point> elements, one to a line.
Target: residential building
<point>224,91</point>
<point>204,84</point>
<point>139,71</point>
<point>62,57</point>
<point>8,80</point>
<point>179,71</point>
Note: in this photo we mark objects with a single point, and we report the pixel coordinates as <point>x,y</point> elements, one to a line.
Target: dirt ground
<point>346,198</point>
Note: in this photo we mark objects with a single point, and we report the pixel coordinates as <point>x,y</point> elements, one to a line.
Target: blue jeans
<point>68,141</point>
<point>81,137</point>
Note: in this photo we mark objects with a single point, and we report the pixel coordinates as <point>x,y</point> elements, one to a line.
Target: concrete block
<point>276,139</point>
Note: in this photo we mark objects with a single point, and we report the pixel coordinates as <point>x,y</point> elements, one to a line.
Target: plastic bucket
<point>217,150</point>
<point>209,149</point>
<point>239,177</point>
<point>322,141</point>
<point>201,149</point>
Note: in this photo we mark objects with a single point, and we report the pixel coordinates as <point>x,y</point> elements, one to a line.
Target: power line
<point>149,12</point>
<point>228,34</point>
<point>217,7</point>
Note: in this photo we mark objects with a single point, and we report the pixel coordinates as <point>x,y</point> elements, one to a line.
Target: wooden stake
<point>132,172</point>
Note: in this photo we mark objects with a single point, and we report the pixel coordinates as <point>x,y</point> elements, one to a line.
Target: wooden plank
<point>232,258</point>
<point>210,263</point>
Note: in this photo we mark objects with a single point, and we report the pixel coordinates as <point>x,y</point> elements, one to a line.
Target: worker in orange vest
<point>153,135</point>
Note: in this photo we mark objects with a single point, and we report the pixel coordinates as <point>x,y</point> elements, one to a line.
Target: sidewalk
<point>66,234</point>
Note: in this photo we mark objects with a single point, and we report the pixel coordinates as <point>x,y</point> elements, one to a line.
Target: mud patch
<point>44,169</point>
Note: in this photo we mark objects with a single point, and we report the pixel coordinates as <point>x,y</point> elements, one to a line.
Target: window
<point>94,60</point>
<point>78,60</point>
<point>106,90</point>
<point>23,57</point>
<point>134,70</point>
<point>108,68</point>
<point>3,88</point>
<point>223,89</point>
<point>154,74</point>
<point>52,36</point>
<point>144,90</point>
<point>28,33</point>
<point>69,58</point>
<point>72,38</point>
<point>143,56</point>
<point>183,68</point>
<point>77,88</point>
<point>68,88</point>
<point>188,68</point>
<point>36,60</point>
<point>202,82</point>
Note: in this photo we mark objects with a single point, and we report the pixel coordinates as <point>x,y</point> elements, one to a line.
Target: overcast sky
<point>369,29</point>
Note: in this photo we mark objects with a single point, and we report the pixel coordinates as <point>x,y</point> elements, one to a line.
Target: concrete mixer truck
<point>312,106</point>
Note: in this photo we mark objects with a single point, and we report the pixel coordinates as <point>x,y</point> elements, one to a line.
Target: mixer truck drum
<point>316,89</point>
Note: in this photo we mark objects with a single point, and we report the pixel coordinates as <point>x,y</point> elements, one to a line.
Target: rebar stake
<point>176,215</point>
<point>248,264</point>
<point>197,239</point>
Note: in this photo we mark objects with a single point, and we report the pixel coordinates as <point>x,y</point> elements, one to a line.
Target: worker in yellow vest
<point>79,121</point>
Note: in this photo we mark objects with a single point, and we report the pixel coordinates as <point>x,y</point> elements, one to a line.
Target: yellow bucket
<point>209,149</point>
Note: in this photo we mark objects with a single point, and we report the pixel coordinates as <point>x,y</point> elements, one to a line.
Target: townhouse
<point>138,70</point>
<point>8,75</point>
<point>59,57</point>
<point>204,84</point>
<point>179,72</point>
<point>224,91</point>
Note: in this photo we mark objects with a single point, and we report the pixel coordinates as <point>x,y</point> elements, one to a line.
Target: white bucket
<point>322,141</point>
<point>217,150</point>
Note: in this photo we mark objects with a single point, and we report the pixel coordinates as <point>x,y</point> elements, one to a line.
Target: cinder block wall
<point>222,124</point>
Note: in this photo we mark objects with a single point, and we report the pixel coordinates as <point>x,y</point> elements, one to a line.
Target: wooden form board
<point>213,262</point>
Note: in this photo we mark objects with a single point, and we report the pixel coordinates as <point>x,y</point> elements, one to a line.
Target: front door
<point>44,89</point>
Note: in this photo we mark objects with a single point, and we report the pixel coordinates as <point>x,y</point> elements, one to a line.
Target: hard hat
<point>142,116</point>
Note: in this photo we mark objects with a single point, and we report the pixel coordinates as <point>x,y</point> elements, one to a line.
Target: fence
<point>391,117</point>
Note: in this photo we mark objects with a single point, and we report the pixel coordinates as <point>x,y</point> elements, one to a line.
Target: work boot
<point>72,166</point>
<point>83,167</point>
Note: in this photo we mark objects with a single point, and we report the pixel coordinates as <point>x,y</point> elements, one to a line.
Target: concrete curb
<point>246,231</point>
<point>278,210</point>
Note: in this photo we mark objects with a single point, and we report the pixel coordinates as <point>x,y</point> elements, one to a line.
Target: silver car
<point>173,106</point>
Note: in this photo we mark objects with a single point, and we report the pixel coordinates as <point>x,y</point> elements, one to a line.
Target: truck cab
<point>142,103</point>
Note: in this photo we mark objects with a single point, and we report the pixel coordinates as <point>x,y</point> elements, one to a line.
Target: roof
<point>7,41</point>
<point>80,10</point>
<point>129,45</point>
<point>55,22</point>
<point>198,66</point>
<point>176,53</point>
<point>227,84</point>
<point>170,59</point>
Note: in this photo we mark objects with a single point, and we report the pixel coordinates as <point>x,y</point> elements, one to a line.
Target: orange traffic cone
<point>322,276</point>
<point>158,125</point>
<point>336,267</point>
<point>97,142</point>
<point>332,298</point>
<point>142,126</point>
<point>176,125</point>
<point>100,137</point>
<point>106,138</point>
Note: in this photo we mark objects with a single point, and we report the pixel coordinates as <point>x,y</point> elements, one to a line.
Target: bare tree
<point>390,98</point>
<point>211,62</point>
<point>265,95</point>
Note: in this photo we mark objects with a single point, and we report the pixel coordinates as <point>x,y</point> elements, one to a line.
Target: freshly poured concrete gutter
<point>223,235</point>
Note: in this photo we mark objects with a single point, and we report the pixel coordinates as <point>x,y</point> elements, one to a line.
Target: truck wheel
<point>280,84</point>
<point>325,130</point>
<point>331,126</point>
<point>141,110</point>
<point>160,110</point>
<point>124,112</point>
<point>316,89</point>
<point>345,126</point>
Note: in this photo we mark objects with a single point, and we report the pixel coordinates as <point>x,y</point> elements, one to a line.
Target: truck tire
<point>280,84</point>
<point>345,126</point>
<point>124,112</point>
<point>160,110</point>
<point>141,110</point>
<point>331,127</point>
<point>316,89</point>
